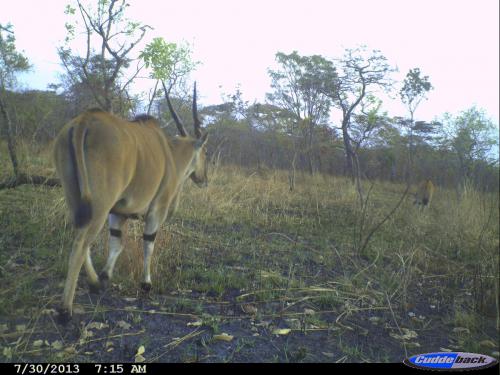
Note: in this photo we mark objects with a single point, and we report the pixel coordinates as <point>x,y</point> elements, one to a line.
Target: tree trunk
<point>291,172</point>
<point>310,148</point>
<point>393,171</point>
<point>10,137</point>
<point>310,163</point>
<point>152,98</point>
<point>409,168</point>
<point>357,173</point>
<point>349,153</point>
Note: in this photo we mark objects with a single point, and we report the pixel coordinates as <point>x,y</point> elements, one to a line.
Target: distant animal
<point>114,169</point>
<point>425,191</point>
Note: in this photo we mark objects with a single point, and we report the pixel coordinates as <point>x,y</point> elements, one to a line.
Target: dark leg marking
<point>149,237</point>
<point>115,232</point>
<point>94,289</point>
<point>104,280</point>
<point>63,316</point>
<point>146,287</point>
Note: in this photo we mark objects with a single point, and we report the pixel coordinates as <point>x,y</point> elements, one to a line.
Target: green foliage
<point>298,85</point>
<point>370,120</point>
<point>11,61</point>
<point>475,133</point>
<point>166,59</point>
<point>472,137</point>
<point>38,115</point>
<point>415,88</point>
<point>299,90</point>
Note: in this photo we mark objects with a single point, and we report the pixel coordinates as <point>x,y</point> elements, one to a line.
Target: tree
<point>12,62</point>
<point>37,115</point>
<point>298,89</point>
<point>83,87</point>
<point>414,90</point>
<point>110,38</point>
<point>169,64</point>
<point>472,136</point>
<point>367,122</point>
<point>358,74</point>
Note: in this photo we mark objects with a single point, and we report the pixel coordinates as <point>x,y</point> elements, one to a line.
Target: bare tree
<point>110,38</point>
<point>359,73</point>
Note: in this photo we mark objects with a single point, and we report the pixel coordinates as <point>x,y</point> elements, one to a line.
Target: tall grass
<point>248,235</point>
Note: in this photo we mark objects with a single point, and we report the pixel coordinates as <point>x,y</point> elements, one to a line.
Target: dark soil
<point>185,328</point>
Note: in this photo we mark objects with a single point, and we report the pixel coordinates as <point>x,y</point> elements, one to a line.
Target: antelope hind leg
<point>116,229</point>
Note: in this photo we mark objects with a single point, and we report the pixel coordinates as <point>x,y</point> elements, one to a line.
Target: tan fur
<point>425,191</point>
<point>112,169</point>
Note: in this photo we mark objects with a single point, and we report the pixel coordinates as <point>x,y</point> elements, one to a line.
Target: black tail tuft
<point>83,213</point>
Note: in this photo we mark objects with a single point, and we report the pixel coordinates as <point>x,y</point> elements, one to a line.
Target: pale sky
<point>454,42</point>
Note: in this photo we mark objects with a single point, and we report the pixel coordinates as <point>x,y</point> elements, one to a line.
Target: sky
<point>454,42</point>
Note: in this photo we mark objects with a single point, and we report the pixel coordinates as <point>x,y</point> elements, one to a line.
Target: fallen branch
<point>387,217</point>
<point>24,179</point>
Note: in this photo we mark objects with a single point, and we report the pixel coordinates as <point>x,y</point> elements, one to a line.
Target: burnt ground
<point>234,291</point>
<point>112,328</point>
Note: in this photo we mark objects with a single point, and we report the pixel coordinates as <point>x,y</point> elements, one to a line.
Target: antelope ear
<point>200,142</point>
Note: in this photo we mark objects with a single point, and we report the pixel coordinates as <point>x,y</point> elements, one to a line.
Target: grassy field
<point>281,273</point>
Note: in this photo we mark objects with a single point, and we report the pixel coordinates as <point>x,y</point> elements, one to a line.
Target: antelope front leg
<point>148,254</point>
<point>153,221</point>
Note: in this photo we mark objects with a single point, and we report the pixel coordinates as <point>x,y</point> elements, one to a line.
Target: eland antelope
<point>424,193</point>
<point>114,169</point>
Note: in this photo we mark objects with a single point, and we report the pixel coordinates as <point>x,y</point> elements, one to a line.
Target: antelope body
<point>111,169</point>
<point>424,193</point>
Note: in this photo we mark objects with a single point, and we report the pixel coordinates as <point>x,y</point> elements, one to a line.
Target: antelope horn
<point>178,122</point>
<point>197,130</point>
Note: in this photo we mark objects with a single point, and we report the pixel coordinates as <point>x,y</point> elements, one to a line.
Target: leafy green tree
<point>271,118</point>
<point>169,63</point>
<point>12,62</point>
<point>38,115</point>
<point>297,86</point>
<point>367,121</point>
<point>472,137</point>
<point>414,90</point>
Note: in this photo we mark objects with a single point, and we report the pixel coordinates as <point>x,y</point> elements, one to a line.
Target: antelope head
<point>198,167</point>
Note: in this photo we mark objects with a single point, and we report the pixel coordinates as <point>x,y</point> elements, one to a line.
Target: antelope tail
<point>83,212</point>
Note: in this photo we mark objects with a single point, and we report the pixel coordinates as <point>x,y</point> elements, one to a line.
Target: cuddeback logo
<point>450,361</point>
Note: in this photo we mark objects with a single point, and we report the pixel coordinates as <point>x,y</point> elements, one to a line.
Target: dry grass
<point>247,232</point>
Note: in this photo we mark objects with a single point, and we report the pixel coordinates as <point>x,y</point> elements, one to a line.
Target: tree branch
<point>24,179</point>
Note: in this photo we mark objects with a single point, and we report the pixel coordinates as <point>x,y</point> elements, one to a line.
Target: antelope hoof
<point>146,287</point>
<point>64,316</point>
<point>104,281</point>
<point>95,288</point>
